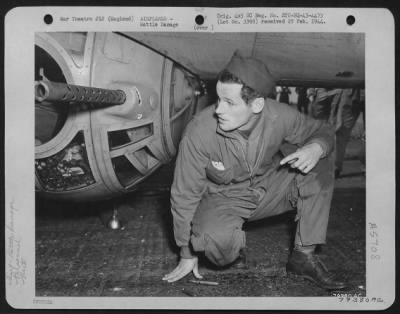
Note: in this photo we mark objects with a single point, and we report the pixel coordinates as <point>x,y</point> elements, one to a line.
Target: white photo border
<point>22,23</point>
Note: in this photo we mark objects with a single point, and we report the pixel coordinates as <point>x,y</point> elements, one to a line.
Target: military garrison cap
<point>251,71</point>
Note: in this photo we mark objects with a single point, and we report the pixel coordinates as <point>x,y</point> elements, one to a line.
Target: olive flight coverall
<point>223,179</point>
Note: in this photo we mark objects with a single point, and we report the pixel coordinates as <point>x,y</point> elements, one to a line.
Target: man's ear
<point>257,105</point>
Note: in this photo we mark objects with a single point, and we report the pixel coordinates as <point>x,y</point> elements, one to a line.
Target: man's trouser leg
<point>217,224</point>
<point>350,115</point>
<point>310,193</point>
<point>217,228</point>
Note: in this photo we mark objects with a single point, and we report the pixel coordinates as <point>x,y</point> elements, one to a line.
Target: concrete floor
<point>76,255</point>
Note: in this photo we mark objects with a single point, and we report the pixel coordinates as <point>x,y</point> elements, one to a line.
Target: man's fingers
<point>295,164</point>
<point>299,164</point>
<point>178,276</point>
<point>196,272</point>
<point>303,165</point>
<point>184,267</point>
<point>289,159</point>
<point>172,273</point>
<point>304,168</point>
<point>183,273</point>
<point>307,168</point>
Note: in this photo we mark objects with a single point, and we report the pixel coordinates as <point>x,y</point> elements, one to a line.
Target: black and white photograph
<point>202,164</point>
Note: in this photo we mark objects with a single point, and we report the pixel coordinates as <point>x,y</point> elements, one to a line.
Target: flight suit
<point>223,179</point>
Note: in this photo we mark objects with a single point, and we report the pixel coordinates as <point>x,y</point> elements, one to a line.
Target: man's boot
<point>308,265</point>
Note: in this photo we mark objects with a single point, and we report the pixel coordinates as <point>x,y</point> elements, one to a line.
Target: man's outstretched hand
<point>185,266</point>
<point>305,158</point>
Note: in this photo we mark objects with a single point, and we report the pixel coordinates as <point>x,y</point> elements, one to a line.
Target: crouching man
<point>230,170</point>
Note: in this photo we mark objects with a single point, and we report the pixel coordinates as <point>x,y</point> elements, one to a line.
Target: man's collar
<point>269,110</point>
<point>250,126</point>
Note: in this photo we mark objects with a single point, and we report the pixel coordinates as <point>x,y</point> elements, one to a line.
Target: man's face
<point>232,111</point>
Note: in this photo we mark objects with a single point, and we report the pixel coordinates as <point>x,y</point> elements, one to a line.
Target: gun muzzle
<point>75,94</point>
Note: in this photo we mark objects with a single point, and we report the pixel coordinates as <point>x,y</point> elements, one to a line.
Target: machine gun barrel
<point>67,93</point>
